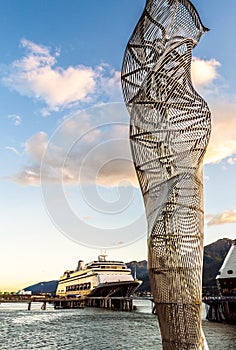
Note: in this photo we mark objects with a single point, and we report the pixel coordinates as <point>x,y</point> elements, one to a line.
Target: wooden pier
<point>58,303</point>
<point>221,309</point>
<point>111,303</point>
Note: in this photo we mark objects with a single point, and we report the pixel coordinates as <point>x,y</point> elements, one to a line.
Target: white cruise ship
<point>101,278</point>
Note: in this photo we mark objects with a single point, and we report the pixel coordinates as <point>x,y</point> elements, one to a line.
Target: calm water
<point>92,329</point>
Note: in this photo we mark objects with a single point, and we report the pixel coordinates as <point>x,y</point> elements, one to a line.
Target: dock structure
<point>58,303</point>
<point>111,303</point>
<point>69,303</point>
<point>221,309</point>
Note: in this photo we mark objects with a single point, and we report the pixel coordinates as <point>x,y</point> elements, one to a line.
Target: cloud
<point>37,75</point>
<point>83,151</point>
<point>227,217</point>
<point>111,86</point>
<point>15,119</point>
<point>36,146</point>
<point>223,139</point>
<point>13,149</point>
<point>231,161</point>
<point>27,177</point>
<point>204,72</point>
<point>222,144</point>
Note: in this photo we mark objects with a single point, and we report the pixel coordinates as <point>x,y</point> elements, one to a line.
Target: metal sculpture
<point>169,132</point>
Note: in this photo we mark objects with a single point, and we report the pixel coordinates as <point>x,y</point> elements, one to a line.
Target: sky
<point>67,183</point>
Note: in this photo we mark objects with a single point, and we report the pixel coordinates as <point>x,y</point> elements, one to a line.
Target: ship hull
<point>115,289</point>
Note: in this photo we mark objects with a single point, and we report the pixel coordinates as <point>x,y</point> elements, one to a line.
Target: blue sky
<point>60,65</point>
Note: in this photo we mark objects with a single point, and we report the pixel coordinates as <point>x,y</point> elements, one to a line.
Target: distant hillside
<point>214,255</point>
<point>43,287</point>
<point>141,274</point>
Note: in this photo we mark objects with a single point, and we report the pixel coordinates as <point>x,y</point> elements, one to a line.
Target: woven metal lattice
<point>169,132</point>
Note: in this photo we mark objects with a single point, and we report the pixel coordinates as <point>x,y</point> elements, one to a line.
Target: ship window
<point>230,272</point>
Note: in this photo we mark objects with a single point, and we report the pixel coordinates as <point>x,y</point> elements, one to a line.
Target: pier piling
<point>43,307</point>
<point>111,303</point>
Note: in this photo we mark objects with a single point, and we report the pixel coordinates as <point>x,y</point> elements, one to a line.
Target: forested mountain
<point>43,287</point>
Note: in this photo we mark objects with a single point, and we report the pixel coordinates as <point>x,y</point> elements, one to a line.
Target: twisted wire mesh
<point>169,132</point>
